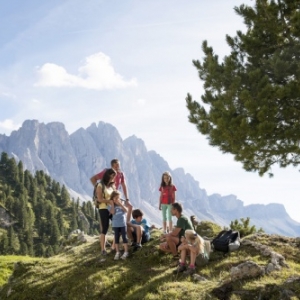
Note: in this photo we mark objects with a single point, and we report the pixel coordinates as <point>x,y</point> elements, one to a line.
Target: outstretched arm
<point>94,179</point>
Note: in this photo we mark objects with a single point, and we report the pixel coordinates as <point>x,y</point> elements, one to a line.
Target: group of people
<point>181,237</point>
<point>111,206</point>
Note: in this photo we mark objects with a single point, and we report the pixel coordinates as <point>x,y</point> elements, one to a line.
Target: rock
<point>198,277</point>
<point>248,269</point>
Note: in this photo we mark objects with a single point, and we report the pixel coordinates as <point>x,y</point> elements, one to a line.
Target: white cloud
<point>8,125</point>
<point>141,102</point>
<point>8,95</point>
<point>97,73</point>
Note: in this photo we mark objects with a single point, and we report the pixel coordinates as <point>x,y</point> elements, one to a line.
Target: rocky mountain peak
<point>73,159</point>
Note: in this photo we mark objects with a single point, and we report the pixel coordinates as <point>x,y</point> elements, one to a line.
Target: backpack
<point>226,241</point>
<point>95,200</point>
<point>202,259</point>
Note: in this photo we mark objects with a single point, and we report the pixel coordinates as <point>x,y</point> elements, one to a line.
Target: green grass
<point>7,265</point>
<point>79,272</point>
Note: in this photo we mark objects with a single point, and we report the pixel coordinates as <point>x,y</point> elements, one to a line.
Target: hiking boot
<point>189,271</point>
<point>133,244</point>
<point>117,256</point>
<point>137,247</point>
<point>180,268</point>
<point>125,255</point>
<point>103,253</point>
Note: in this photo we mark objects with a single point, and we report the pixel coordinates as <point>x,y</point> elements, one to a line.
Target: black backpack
<point>226,241</point>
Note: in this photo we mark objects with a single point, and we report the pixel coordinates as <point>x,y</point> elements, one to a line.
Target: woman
<point>167,197</point>
<point>103,192</point>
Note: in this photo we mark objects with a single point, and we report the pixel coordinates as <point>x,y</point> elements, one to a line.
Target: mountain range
<point>72,159</point>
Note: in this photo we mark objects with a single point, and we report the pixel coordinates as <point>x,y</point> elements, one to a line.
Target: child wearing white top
<point>191,244</point>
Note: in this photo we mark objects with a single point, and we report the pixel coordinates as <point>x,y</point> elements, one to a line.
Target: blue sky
<point>128,63</point>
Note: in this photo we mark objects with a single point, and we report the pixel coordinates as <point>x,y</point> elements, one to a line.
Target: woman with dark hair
<point>167,197</point>
<point>103,192</point>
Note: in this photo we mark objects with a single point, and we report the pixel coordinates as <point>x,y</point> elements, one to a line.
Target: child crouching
<point>192,244</point>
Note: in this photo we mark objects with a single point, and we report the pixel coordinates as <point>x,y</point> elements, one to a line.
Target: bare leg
<point>129,232</point>
<point>183,256</point>
<point>172,242</point>
<point>165,247</point>
<point>102,241</point>
<point>139,231</point>
<point>193,258</point>
<point>129,211</point>
<point>164,226</point>
<point>170,226</point>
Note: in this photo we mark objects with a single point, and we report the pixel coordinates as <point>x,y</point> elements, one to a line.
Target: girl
<point>192,244</point>
<point>103,192</point>
<point>167,197</point>
<point>119,212</point>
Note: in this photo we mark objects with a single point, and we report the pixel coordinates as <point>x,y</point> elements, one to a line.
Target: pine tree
<point>49,251</point>
<point>4,163</point>
<point>23,248</point>
<point>20,212</point>
<point>28,240</point>
<point>64,198</point>
<point>74,218</point>
<point>55,233</point>
<point>3,198</point>
<point>40,250</point>
<point>20,172</point>
<point>13,241</point>
<point>10,202</point>
<point>41,179</point>
<point>4,243</point>
<point>11,172</point>
<point>61,223</point>
<point>27,180</point>
<point>55,188</point>
<point>251,105</point>
<point>50,196</point>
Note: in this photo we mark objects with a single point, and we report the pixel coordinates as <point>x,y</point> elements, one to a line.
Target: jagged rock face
<point>73,159</point>
<point>47,148</point>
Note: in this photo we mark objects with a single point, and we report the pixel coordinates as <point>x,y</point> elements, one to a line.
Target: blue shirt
<point>119,217</point>
<point>143,223</point>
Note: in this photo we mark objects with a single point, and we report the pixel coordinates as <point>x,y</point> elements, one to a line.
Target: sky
<point>128,63</point>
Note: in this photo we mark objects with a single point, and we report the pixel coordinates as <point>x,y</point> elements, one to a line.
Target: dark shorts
<point>145,237</point>
<point>104,220</point>
<point>120,231</point>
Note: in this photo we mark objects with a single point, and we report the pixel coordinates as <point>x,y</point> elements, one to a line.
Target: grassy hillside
<point>79,272</point>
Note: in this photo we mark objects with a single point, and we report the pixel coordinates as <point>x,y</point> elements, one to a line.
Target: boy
<point>138,229</point>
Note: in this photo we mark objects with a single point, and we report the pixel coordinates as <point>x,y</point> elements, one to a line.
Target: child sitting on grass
<point>119,213</point>
<point>138,229</point>
<point>191,244</point>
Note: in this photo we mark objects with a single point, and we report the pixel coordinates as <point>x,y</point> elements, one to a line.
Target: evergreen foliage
<point>244,227</point>
<point>251,103</point>
<point>41,212</point>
